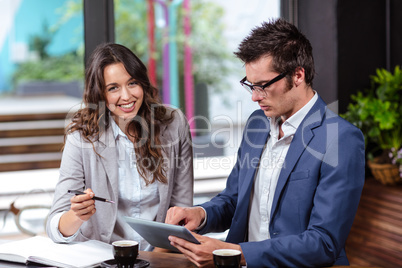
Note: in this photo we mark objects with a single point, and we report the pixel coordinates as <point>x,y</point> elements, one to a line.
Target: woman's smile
<point>127,108</point>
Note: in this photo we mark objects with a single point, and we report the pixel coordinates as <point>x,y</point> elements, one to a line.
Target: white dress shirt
<point>272,159</point>
<point>136,199</point>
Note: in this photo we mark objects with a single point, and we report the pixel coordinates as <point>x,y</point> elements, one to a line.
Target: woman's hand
<point>82,208</point>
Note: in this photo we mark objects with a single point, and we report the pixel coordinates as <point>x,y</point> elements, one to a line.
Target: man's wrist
<point>204,222</point>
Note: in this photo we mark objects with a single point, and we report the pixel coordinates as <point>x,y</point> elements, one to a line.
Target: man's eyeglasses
<point>261,88</point>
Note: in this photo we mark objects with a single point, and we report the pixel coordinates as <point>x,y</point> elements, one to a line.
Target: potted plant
<point>378,113</point>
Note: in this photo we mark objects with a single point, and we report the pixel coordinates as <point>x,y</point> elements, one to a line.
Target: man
<point>292,195</point>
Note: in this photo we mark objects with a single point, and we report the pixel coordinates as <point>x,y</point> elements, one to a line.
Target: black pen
<point>95,197</point>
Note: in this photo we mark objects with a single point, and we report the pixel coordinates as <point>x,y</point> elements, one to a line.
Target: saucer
<point>112,263</point>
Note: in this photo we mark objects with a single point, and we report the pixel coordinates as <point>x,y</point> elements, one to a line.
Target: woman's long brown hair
<point>145,127</point>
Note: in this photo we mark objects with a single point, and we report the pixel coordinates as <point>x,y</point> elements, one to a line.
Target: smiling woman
<point>124,95</point>
<point>123,145</point>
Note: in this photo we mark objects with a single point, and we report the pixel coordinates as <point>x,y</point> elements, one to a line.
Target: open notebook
<point>43,250</point>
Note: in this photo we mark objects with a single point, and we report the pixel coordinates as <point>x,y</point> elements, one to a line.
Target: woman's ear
<point>299,76</point>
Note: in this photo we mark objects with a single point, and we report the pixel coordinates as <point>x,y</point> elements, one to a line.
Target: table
<point>160,259</point>
<point>156,260</point>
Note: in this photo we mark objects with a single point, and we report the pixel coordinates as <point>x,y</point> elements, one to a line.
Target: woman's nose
<point>125,93</point>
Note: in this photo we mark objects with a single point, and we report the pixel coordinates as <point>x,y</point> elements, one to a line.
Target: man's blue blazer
<point>316,197</point>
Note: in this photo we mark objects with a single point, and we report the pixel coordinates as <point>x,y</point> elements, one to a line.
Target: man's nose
<point>256,96</point>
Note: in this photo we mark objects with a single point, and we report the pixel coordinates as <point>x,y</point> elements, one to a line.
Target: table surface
<point>160,259</point>
<point>156,260</point>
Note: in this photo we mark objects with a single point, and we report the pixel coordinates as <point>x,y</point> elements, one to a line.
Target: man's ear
<point>298,77</point>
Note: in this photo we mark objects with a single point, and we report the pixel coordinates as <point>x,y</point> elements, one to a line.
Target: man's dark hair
<point>281,40</point>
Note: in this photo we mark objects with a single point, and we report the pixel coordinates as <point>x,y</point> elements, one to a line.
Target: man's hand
<point>190,217</point>
<point>201,254</point>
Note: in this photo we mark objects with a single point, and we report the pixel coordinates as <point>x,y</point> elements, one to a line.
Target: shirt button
<point>265,190</point>
<point>264,219</point>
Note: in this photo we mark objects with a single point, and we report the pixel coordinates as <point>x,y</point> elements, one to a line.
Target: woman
<point>123,146</point>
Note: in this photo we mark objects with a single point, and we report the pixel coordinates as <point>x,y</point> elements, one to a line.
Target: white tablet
<point>157,233</point>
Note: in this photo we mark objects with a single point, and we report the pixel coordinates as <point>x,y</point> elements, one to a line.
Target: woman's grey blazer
<point>82,168</point>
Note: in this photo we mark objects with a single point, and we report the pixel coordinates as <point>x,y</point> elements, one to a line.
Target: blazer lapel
<point>257,142</point>
<point>163,188</point>
<point>252,150</point>
<point>301,140</point>
<point>108,152</point>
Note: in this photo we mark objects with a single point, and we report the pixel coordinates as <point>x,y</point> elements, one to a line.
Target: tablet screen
<point>157,233</point>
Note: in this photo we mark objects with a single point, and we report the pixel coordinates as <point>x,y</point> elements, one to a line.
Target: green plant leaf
<point>378,111</point>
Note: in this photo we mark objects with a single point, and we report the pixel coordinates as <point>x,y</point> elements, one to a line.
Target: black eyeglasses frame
<point>261,88</point>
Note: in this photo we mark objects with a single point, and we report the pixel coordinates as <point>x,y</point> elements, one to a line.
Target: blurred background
<point>188,47</point>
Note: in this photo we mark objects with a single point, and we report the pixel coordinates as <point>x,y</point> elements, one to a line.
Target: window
<point>41,71</point>
<point>158,33</point>
<point>41,47</point>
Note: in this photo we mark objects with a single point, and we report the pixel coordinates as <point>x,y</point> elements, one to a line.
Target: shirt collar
<point>293,122</point>
<point>296,119</point>
<point>116,130</point>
